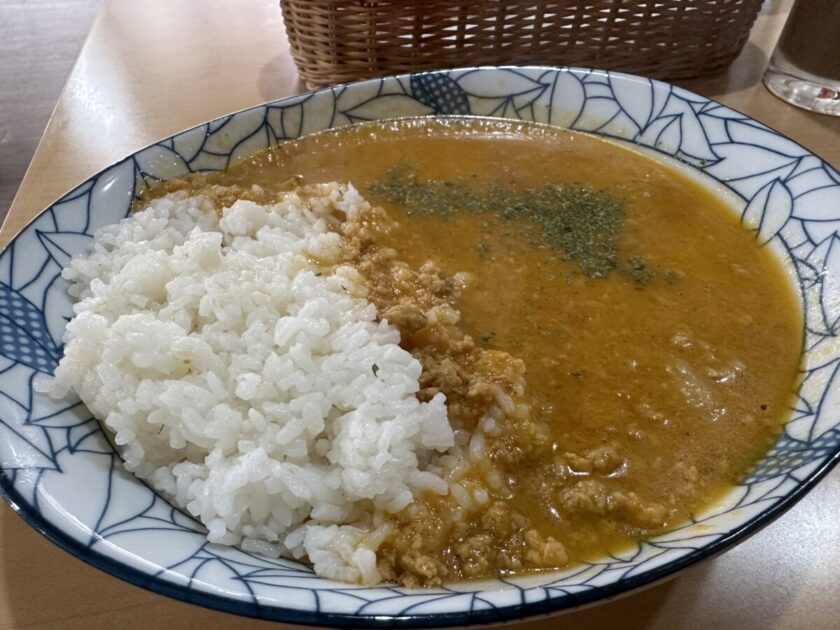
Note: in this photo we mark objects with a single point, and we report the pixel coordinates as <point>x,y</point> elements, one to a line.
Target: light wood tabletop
<point>150,69</point>
<point>28,50</point>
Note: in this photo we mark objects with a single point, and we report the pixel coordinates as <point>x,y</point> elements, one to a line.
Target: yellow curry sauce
<point>658,393</point>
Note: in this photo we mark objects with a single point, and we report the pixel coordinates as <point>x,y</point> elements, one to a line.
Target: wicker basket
<point>335,41</point>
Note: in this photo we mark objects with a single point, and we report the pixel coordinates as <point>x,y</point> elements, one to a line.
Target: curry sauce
<point>645,396</point>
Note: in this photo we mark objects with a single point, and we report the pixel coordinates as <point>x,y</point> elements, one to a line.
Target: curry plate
<point>60,473</point>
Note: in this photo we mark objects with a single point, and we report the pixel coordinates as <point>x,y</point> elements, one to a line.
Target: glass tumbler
<point>805,67</point>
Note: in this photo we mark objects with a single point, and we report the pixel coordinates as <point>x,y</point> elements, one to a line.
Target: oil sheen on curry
<point>622,346</point>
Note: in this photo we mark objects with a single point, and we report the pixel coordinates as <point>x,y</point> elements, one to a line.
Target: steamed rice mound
<point>244,375</point>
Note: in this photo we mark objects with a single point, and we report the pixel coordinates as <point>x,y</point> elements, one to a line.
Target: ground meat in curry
<point>478,532</point>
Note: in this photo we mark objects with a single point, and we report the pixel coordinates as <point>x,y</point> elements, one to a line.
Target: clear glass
<point>805,67</point>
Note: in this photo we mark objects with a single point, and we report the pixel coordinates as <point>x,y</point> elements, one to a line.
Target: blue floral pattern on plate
<point>62,475</point>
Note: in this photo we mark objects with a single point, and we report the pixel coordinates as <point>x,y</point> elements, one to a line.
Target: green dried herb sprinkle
<point>581,221</point>
<point>638,270</point>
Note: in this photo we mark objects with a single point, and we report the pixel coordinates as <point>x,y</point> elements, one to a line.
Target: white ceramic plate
<point>61,474</point>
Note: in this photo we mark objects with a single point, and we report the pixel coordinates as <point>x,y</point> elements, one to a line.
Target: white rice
<point>244,375</point>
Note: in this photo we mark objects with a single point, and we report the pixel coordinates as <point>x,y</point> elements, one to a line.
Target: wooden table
<point>28,49</point>
<point>150,69</point>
